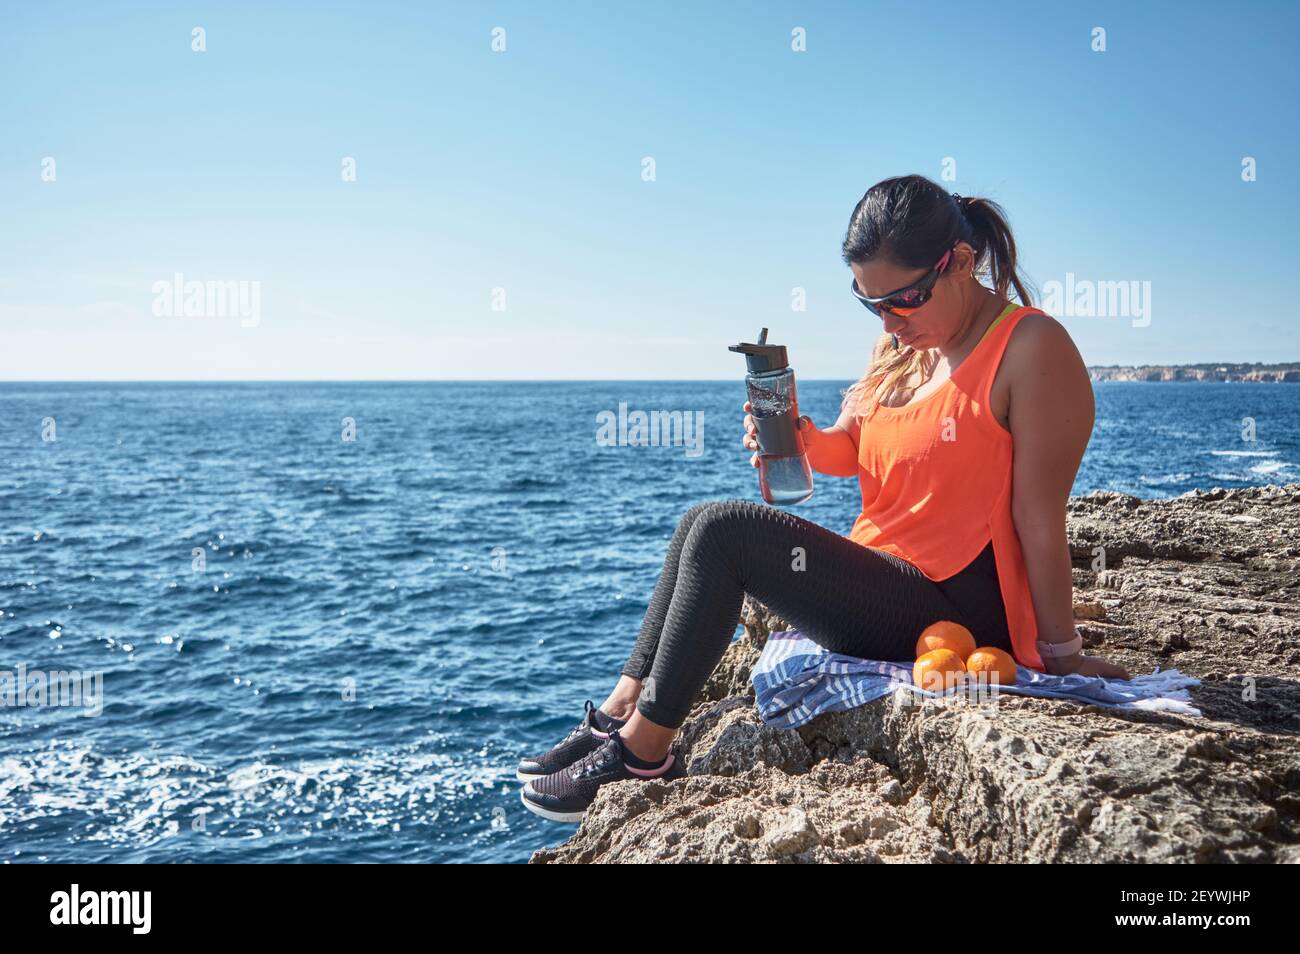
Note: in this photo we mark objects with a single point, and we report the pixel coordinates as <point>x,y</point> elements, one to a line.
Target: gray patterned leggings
<point>848,598</point>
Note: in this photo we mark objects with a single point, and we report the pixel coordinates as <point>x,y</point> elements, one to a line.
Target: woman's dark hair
<point>911,221</point>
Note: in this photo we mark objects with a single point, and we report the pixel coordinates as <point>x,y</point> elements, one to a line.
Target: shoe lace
<point>584,725</point>
<point>599,757</point>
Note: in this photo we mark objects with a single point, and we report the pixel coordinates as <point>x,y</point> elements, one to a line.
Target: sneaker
<point>565,796</point>
<point>584,738</point>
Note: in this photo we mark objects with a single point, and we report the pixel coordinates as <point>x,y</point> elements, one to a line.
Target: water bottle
<point>784,476</point>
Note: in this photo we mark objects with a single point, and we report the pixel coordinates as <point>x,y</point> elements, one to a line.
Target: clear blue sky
<point>522,170</point>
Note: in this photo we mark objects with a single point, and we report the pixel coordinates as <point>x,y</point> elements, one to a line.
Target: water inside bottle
<point>768,403</point>
<point>785,480</point>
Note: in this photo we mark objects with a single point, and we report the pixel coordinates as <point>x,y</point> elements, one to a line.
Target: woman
<point>965,433</point>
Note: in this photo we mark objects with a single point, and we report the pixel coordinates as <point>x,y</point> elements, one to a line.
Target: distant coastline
<point>1288,372</point>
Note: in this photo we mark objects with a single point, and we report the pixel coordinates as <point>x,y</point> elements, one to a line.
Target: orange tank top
<point>936,483</point>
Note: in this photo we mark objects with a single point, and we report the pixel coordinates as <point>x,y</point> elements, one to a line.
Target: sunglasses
<point>904,301</point>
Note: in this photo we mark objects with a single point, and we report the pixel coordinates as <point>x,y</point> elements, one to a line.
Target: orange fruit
<point>946,634</point>
<point>938,670</point>
<point>992,665</point>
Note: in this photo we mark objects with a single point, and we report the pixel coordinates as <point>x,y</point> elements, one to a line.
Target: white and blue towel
<point>796,680</point>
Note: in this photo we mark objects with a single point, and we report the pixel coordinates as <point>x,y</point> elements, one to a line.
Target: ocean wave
<point>530,482</point>
<point>73,793</point>
<point>1162,480</point>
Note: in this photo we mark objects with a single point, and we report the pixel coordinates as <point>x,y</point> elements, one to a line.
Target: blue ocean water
<point>380,627</point>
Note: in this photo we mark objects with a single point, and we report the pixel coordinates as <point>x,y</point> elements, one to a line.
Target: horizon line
<point>4,382</point>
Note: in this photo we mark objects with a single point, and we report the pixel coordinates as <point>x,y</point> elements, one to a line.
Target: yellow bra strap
<point>1005,311</point>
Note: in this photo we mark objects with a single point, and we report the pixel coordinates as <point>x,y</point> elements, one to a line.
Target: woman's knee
<point>696,511</point>
<point>690,515</point>
<point>721,526</point>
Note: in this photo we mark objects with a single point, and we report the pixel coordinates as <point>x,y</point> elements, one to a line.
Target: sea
<point>280,622</point>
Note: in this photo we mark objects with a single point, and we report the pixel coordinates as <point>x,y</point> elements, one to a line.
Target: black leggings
<point>849,598</point>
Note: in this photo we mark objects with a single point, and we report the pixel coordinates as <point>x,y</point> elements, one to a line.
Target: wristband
<point>1059,650</point>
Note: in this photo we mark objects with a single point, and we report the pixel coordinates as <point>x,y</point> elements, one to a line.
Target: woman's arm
<point>833,451</point>
<point>1051,412</point>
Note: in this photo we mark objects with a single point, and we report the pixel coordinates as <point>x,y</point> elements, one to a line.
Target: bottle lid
<point>762,356</point>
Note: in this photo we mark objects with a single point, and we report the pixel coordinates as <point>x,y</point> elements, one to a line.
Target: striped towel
<point>796,680</point>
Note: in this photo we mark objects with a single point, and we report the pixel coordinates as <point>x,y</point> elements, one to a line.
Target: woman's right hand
<point>750,440</point>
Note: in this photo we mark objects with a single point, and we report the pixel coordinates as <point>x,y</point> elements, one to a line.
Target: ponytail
<point>995,247</point>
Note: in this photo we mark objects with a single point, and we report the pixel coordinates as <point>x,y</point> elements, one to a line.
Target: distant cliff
<point>1199,372</point>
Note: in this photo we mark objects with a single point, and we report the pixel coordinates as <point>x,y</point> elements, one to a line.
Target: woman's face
<point>938,319</point>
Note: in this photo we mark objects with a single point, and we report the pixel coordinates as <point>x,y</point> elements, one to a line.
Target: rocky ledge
<point>1208,583</point>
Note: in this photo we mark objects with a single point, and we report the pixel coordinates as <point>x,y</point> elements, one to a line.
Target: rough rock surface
<point>1208,583</point>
